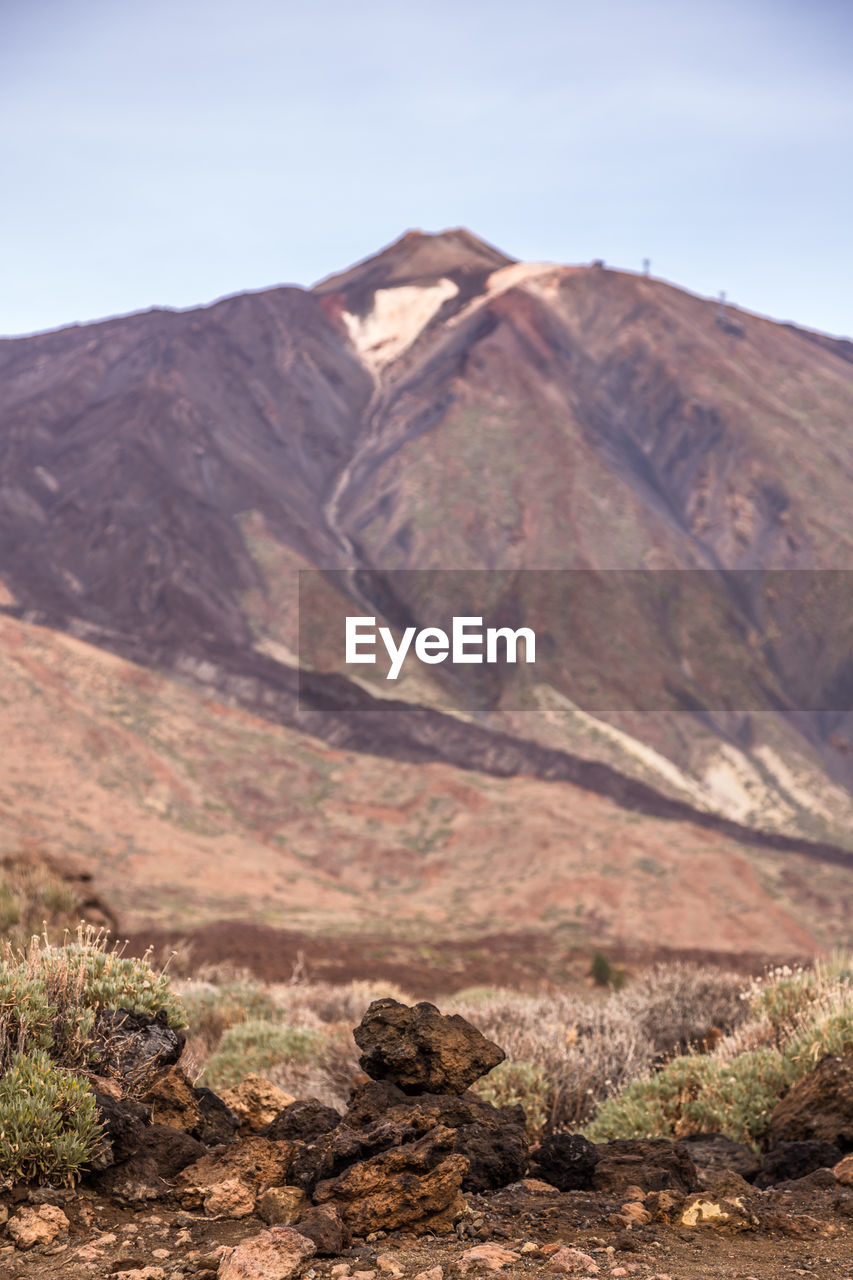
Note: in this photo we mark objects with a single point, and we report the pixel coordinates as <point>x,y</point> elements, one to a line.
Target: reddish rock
<point>256,1101</point>
<point>275,1254</point>
<point>258,1162</point>
<point>282,1206</point>
<point>232,1198</point>
<point>173,1101</point>
<point>486,1257</point>
<point>415,1185</point>
<point>572,1261</point>
<point>492,1139</point>
<point>324,1225</point>
<point>653,1164</point>
<point>30,1227</point>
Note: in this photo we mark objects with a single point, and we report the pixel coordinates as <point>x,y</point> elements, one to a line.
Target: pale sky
<point>169,152</point>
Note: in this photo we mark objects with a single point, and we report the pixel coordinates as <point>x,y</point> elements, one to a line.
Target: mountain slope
<point>164,476</point>
<point>191,812</point>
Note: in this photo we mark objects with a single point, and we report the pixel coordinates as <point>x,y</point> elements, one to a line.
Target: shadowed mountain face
<point>163,475</point>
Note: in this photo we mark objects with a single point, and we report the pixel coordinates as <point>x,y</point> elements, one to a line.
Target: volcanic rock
<point>421,1050</point>
<point>567,1161</point>
<point>728,1215</point>
<point>654,1164</point>
<point>123,1123</point>
<point>493,1140</point>
<point>135,1045</point>
<point>323,1224</point>
<point>415,1185</point>
<point>712,1153</point>
<point>281,1206</point>
<point>217,1122</point>
<point>302,1121</point>
<point>486,1257</point>
<point>231,1198</point>
<point>788,1161</point>
<point>335,1151</point>
<point>256,1101</point>
<point>173,1101</point>
<point>819,1108</point>
<point>275,1254</point>
<point>162,1153</point>
<point>256,1161</point>
<point>30,1227</point>
<point>569,1261</point>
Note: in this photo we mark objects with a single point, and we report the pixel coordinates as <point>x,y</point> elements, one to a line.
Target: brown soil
<point>526,961</point>
<point>809,1238</point>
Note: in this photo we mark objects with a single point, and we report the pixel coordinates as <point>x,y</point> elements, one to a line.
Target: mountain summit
<point>420,258</point>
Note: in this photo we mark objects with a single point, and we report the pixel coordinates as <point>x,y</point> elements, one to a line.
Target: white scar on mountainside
<point>398,316</point>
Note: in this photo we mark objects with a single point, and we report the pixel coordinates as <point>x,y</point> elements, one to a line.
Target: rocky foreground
<point>423,1180</point>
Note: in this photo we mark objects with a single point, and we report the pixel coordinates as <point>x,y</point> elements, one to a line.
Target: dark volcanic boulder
<point>217,1122</point>
<point>422,1050</point>
<point>788,1161</point>
<point>714,1153</point>
<point>162,1153</point>
<point>651,1163</point>
<point>302,1121</point>
<point>567,1161</point>
<point>123,1124</point>
<point>333,1152</point>
<point>819,1108</point>
<point>493,1139</point>
<point>415,1185</point>
<point>135,1045</point>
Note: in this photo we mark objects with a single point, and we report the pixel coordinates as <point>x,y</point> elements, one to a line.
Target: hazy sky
<point>168,152</point>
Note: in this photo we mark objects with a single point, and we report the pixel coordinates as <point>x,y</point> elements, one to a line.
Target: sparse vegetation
<point>256,1047</point>
<point>32,897</point>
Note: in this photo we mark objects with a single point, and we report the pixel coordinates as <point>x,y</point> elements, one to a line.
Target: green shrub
<point>49,996</point>
<point>256,1047</point>
<point>829,1032</point>
<point>698,1095</point>
<point>113,981</point>
<point>604,973</point>
<point>48,1122</point>
<point>512,1083</point>
<point>210,1010</point>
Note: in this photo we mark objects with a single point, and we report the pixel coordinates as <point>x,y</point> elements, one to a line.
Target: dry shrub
<point>587,1050</point>
<point>326,1003</point>
<point>33,897</point>
<point>583,1050</point>
<point>50,995</point>
<point>677,1005</point>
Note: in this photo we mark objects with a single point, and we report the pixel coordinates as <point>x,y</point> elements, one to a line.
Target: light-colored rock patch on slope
<point>398,316</point>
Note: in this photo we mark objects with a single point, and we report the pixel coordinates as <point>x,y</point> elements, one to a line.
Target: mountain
<point>441,406</point>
